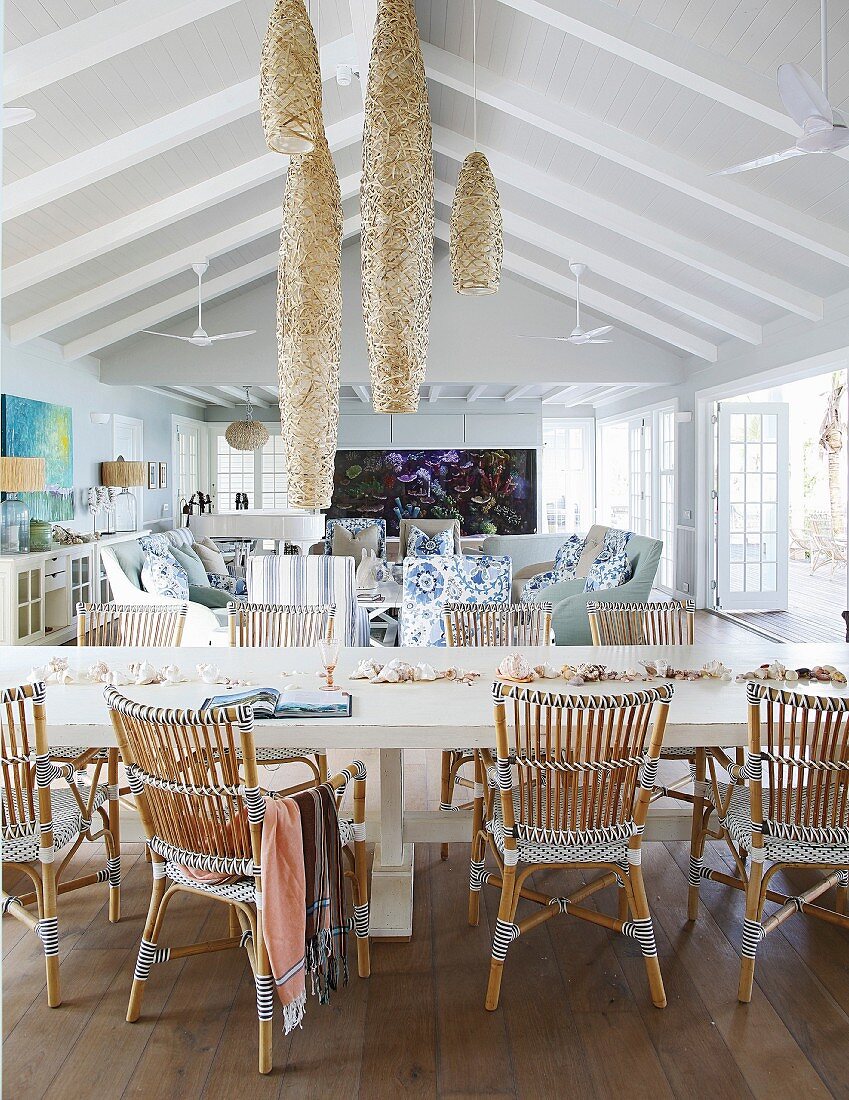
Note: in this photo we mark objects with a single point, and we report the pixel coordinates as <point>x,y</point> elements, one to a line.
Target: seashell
<point>838,677</point>
<point>829,668</point>
<point>37,674</point>
<point>209,673</point>
<point>144,673</point>
<point>367,669</point>
<point>791,675</point>
<point>823,677</point>
<point>424,672</point>
<point>546,672</point>
<point>576,681</point>
<point>172,675</point>
<point>726,676</point>
<point>516,667</point>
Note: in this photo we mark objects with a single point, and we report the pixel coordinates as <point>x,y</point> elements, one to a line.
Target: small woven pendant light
<point>396,199</point>
<point>247,434</point>
<point>309,323</point>
<point>289,79</point>
<point>476,245</point>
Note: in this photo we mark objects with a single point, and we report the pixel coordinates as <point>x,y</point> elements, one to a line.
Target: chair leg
<point>752,932</point>
<point>147,948</point>
<point>478,854</point>
<point>264,997</point>
<point>445,793</point>
<point>842,891</point>
<point>361,910</point>
<point>697,835</point>
<point>113,863</point>
<point>234,928</point>
<point>644,930</point>
<point>505,932</point>
<point>48,932</point>
<point>622,899</point>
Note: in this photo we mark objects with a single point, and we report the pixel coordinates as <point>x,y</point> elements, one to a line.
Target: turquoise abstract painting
<point>37,429</point>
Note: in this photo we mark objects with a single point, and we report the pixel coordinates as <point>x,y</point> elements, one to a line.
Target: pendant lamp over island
<point>289,80</point>
<point>476,247</point>
<point>247,434</point>
<point>396,199</point>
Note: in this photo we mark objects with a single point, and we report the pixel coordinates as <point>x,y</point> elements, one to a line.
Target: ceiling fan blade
<point>170,335</point>
<point>598,341</point>
<point>559,339</point>
<point>600,331</point>
<point>233,335</point>
<point>761,162</point>
<point>802,97</point>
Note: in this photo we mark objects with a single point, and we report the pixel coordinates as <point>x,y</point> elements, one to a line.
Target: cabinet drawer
<point>53,582</point>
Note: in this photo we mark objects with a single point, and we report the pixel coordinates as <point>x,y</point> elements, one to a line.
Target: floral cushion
<point>422,545</point>
<point>432,581</point>
<point>609,570</point>
<point>353,527</point>
<point>537,583</point>
<point>162,576</point>
<point>566,558</point>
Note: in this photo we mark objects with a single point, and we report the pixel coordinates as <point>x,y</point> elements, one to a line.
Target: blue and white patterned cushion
<point>353,527</point>
<point>162,576</point>
<point>422,545</point>
<point>609,570</point>
<point>537,583</point>
<point>567,557</point>
<point>430,582</point>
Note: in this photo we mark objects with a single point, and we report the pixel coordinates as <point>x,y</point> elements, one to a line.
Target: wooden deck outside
<point>575,1016</point>
<point>815,606</point>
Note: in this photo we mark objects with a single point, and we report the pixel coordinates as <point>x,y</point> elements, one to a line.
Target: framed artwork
<point>37,429</point>
<point>153,475</point>
<point>163,475</point>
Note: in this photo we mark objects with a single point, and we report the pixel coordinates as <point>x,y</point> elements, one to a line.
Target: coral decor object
<point>309,324</point>
<point>396,201</point>
<point>289,80</point>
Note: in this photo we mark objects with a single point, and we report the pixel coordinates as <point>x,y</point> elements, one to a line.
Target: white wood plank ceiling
<point>602,120</point>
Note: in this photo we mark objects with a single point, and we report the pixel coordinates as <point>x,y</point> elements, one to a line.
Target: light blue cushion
<point>162,576</point>
<point>566,558</point>
<point>609,570</point>
<point>192,564</point>
<point>209,597</point>
<point>422,545</point>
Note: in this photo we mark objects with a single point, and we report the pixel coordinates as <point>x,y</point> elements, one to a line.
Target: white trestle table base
<point>425,715</point>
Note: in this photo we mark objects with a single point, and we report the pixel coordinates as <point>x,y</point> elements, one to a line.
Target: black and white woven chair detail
<point>213,823</point>
<point>787,805</point>
<point>563,797</point>
<point>43,826</point>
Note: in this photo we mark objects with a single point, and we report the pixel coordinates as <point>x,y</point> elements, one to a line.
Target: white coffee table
<point>383,614</point>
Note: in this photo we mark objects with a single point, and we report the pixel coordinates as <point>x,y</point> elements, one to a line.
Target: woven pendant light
<point>396,198</point>
<point>476,245</point>
<point>247,434</point>
<point>289,80</point>
<point>309,323</point>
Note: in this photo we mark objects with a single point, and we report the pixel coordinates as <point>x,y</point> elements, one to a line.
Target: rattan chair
<point>794,812</point>
<point>570,787</point>
<point>40,822</point>
<point>116,624</point>
<point>194,776</point>
<point>482,624</point>
<point>280,626</point>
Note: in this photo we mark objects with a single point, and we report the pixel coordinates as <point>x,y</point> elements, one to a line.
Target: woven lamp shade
<point>476,241</point>
<point>123,474</point>
<point>309,323</point>
<point>289,80</point>
<point>396,200</point>
<point>246,435</point>
<point>21,475</point>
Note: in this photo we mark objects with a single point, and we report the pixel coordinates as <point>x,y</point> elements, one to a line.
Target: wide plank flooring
<point>575,1016</point>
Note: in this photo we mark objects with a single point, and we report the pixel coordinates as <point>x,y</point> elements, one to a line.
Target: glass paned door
<point>752,515</point>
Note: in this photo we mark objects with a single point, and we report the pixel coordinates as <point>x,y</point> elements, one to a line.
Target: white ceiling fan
<point>823,129</point>
<point>200,337</point>
<point>577,335</point>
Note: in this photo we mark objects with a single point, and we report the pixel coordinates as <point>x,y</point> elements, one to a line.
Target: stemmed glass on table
<point>329,651</point>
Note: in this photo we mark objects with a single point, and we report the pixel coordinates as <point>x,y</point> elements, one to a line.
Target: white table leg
<point>392,875</point>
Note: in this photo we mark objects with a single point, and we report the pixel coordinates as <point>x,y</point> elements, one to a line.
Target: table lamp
<point>124,475</point>
<point>17,475</point>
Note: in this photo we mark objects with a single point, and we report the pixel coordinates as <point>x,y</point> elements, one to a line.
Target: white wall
<point>35,372</point>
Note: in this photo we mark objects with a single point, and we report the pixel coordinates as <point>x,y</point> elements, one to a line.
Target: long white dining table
<point>427,714</point>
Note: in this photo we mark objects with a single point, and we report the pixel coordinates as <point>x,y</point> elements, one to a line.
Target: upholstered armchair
<point>312,579</point>
<point>428,583</point>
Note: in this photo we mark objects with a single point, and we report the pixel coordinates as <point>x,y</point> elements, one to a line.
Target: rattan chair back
<point>497,624</point>
<point>116,624</point>
<point>664,622</point>
<point>264,624</point>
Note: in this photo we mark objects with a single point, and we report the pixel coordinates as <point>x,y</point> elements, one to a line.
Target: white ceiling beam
<point>609,267</point>
<point>586,397</point>
<point>363,14</point>
<point>180,303</point>
<point>653,235</point>
<point>611,307</point>
<point>433,394</point>
<point>207,396</point>
<point>475,393</point>
<point>239,393</point>
<point>155,137</point>
<point>172,396</point>
<point>619,393</point>
<point>124,286</point>
<point>638,155</point>
<point>158,215</point>
<point>272,391</point>
<point>362,393</point>
<point>517,392</point>
<point>556,396</point>
<point>618,32</point>
<point>89,41</point>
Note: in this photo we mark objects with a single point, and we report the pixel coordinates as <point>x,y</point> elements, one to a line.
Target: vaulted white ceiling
<point>603,122</point>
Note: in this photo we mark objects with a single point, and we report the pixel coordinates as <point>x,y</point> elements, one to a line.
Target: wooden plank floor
<point>575,1016</point>
<point>816,601</point>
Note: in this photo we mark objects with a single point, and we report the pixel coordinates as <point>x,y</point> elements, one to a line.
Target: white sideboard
<point>39,592</point>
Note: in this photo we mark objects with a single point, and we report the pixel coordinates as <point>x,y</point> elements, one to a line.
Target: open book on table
<point>268,702</point>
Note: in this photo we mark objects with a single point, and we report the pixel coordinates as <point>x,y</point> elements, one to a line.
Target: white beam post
<point>475,393</point>
<point>362,393</point>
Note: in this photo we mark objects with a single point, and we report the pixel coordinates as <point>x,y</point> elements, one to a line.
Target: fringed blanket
<point>303,914</point>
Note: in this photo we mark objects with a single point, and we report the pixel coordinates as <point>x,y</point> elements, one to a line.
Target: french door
<point>753,489</point>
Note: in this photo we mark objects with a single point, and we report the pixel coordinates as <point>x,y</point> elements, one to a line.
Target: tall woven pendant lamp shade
<point>309,323</point>
<point>396,199</point>
<point>289,80</point>
<point>476,241</point>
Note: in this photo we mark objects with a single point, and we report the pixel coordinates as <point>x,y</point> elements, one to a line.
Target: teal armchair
<point>570,621</point>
